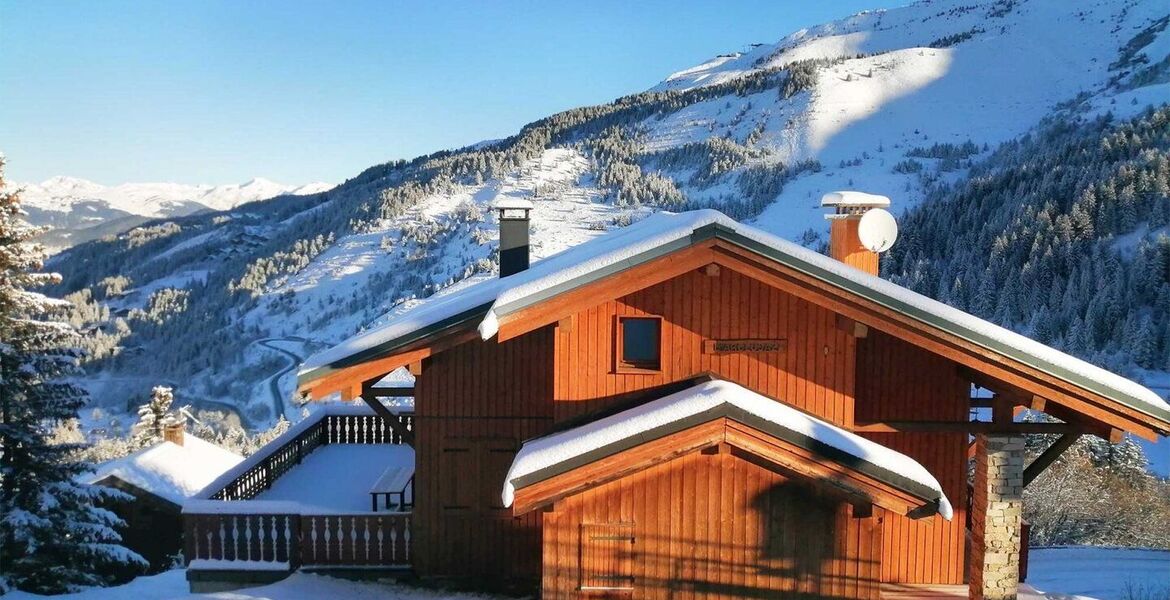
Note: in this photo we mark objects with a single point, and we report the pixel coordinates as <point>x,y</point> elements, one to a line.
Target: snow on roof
<point>508,202</point>
<point>396,379</point>
<point>664,232</point>
<point>551,450</point>
<point>169,470</point>
<point>851,198</point>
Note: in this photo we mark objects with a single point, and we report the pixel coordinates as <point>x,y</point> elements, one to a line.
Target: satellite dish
<point>877,230</point>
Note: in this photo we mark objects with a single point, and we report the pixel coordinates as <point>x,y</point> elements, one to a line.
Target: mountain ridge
<point>890,102</point>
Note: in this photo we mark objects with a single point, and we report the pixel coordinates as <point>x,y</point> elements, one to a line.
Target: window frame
<point>635,368</point>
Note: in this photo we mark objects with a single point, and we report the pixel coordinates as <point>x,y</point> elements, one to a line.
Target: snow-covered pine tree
<point>153,417</point>
<point>53,536</point>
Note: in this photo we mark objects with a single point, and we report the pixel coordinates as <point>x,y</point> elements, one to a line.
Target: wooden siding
<point>815,372</point>
<point>474,405</point>
<point>716,526</point>
<point>899,381</point>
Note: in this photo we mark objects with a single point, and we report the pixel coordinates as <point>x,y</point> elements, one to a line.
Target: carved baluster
<point>406,538</point>
<point>353,535</point>
<point>367,539</point>
<point>260,539</point>
<point>248,536</point>
<point>235,538</point>
<point>288,538</point>
<point>222,540</point>
<point>328,538</point>
<point>313,536</point>
<point>393,542</point>
<point>274,533</point>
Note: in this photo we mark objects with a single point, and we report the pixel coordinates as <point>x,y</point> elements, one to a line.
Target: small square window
<point>639,343</point>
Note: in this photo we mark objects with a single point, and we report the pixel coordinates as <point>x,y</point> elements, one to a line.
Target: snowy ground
<point>319,483</point>
<point>1101,573</point>
<point>173,586</point>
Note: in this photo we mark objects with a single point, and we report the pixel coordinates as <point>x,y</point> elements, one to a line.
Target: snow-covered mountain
<point>905,102</point>
<point>79,210</point>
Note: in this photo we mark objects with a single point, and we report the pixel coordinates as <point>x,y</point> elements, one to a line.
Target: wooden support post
<point>1049,456</point>
<point>389,417</point>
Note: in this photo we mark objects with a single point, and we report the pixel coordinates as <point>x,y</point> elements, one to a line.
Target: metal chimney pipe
<point>514,216</point>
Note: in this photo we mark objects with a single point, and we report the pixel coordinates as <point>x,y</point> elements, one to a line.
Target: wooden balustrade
<point>376,539</point>
<point>221,539</point>
<point>289,541</point>
<point>282,455</point>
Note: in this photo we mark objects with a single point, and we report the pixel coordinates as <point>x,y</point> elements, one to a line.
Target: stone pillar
<point>997,506</point>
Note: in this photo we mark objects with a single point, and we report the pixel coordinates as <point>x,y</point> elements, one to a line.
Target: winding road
<point>274,381</point>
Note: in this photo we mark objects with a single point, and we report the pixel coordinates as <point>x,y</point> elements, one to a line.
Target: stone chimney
<point>513,213</point>
<point>175,430</point>
<point>844,243</point>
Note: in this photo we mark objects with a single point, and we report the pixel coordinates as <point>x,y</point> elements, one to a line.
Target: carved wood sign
<point>744,346</point>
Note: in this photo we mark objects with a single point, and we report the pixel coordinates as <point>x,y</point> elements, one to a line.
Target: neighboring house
<point>161,478</point>
<point>687,407</point>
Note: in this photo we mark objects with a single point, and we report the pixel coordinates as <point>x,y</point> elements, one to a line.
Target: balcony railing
<point>226,528</point>
<point>335,425</point>
<point>262,535</point>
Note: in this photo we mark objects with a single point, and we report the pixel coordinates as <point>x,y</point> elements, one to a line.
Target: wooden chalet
<point>689,407</point>
<point>160,479</point>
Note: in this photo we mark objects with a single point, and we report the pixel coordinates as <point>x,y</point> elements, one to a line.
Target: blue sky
<point>208,91</point>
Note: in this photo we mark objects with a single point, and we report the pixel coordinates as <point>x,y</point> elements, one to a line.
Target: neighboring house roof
<point>484,304</point>
<point>546,457</point>
<point>168,470</point>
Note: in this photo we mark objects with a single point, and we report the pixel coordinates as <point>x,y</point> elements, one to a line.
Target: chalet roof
<point>483,304</point>
<point>168,470</point>
<point>563,451</point>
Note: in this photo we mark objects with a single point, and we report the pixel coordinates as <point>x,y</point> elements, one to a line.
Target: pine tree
<point>53,536</point>
<point>153,417</point>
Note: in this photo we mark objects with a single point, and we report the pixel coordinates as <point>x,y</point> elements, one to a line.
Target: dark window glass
<point>640,345</point>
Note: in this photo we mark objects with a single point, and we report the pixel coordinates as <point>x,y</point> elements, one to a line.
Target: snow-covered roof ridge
<point>664,232</point>
<point>549,451</point>
<point>319,411</point>
<point>168,470</point>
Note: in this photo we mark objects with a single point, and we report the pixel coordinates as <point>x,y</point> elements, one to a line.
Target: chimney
<point>513,213</point>
<point>845,243</point>
<point>174,431</point>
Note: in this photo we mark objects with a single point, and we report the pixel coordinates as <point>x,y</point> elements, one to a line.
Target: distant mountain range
<point>79,210</point>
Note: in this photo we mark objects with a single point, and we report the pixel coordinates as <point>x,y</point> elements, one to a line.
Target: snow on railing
<point>334,423</point>
<point>265,535</point>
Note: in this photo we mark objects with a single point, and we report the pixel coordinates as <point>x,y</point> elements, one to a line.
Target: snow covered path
<point>1101,573</point>
<point>172,585</point>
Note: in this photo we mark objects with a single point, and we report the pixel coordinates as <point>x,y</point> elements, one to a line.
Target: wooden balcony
<point>233,527</point>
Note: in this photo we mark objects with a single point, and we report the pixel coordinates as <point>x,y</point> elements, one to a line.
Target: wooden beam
<point>389,417</point>
<point>977,402</point>
<point>964,427</point>
<point>345,377</point>
<point>415,368</point>
<point>1049,456</point>
<point>852,327</point>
